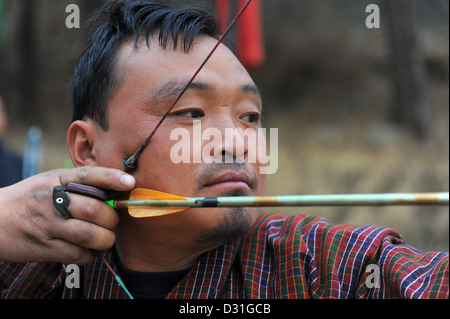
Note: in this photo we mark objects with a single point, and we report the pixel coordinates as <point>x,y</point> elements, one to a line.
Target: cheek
<point>261,191</point>
<point>157,169</point>
<point>108,151</point>
<point>114,147</point>
<point>261,149</point>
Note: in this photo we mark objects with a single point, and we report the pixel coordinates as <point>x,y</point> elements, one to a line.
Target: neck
<point>151,246</point>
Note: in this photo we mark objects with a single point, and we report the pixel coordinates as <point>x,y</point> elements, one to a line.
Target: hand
<point>32,230</point>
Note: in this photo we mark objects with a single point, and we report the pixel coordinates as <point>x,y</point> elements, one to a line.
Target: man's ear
<point>80,142</point>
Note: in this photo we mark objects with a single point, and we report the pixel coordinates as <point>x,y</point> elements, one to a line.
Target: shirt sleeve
<point>401,271</point>
<point>372,262</point>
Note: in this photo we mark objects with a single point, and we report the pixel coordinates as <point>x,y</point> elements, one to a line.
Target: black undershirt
<point>149,285</point>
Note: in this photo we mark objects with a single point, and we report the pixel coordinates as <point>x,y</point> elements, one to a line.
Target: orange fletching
<point>146,211</point>
<point>142,194</point>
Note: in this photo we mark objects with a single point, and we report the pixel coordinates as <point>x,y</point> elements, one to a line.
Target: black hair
<point>96,78</point>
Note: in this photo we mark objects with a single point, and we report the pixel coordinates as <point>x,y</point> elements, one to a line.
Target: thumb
<point>107,178</point>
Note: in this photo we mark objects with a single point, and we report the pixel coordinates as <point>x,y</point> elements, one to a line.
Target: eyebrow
<point>252,89</point>
<point>172,89</point>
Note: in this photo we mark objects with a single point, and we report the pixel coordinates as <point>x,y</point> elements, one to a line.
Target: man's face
<point>223,96</point>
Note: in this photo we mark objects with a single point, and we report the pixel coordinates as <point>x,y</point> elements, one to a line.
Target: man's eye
<point>251,118</point>
<point>192,114</point>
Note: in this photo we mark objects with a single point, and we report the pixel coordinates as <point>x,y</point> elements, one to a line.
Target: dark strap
<point>61,201</point>
<point>87,190</point>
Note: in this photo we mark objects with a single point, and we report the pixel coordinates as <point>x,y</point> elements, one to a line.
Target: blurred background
<point>358,109</point>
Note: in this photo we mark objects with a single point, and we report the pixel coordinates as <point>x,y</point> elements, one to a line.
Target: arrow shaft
<point>301,200</point>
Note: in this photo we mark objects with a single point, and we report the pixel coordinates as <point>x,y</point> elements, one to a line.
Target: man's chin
<point>235,223</point>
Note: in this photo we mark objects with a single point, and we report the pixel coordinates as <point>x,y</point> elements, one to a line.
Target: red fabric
<point>250,43</point>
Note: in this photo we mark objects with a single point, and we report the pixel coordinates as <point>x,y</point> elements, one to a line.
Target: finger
<point>92,210</point>
<point>107,178</point>
<point>65,252</point>
<point>84,234</point>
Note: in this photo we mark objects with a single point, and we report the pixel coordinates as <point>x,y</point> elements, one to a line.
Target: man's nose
<point>234,145</point>
<point>231,147</point>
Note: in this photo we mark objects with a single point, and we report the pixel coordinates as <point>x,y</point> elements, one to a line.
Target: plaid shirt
<point>281,257</point>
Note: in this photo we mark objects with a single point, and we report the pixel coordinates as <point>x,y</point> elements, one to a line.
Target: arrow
<point>150,203</point>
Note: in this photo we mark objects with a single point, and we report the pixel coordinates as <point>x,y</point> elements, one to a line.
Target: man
<point>139,58</point>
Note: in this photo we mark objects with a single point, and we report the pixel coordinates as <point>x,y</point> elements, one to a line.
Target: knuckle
<point>92,210</point>
<point>106,242</point>
<point>114,220</point>
<point>36,224</point>
<point>36,215</point>
<point>54,177</point>
<point>84,235</point>
<point>84,174</point>
<point>78,256</point>
<point>39,194</point>
<point>109,240</point>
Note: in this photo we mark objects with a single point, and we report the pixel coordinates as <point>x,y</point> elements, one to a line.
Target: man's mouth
<point>229,181</point>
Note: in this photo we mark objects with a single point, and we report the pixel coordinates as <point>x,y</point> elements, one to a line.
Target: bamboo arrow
<point>149,203</point>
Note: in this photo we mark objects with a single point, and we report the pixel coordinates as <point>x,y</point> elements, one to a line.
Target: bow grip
<point>92,191</point>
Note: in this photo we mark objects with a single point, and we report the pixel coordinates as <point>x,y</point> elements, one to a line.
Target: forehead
<point>152,67</point>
